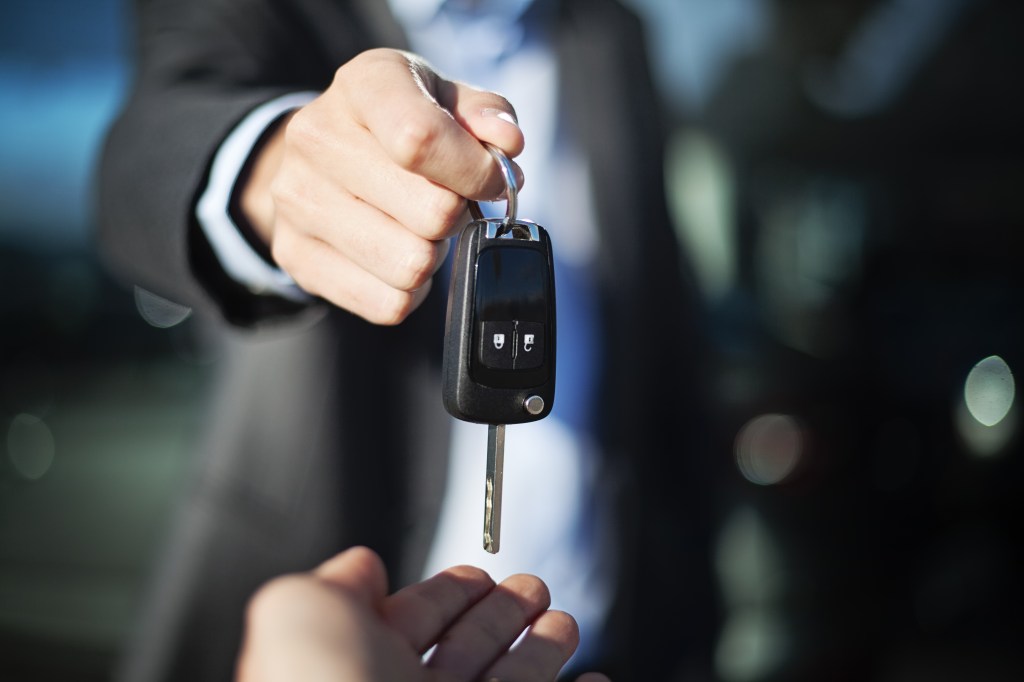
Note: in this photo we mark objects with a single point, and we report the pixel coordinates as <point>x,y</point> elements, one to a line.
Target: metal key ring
<point>511,193</point>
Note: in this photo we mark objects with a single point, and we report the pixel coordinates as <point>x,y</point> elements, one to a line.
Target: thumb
<point>488,117</point>
<point>358,571</point>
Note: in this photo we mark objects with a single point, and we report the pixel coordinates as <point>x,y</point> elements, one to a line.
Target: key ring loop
<point>511,193</point>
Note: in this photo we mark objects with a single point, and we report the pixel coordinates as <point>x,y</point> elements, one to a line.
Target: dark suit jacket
<point>328,431</point>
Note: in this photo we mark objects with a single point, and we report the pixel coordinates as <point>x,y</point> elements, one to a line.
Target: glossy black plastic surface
<point>500,326</point>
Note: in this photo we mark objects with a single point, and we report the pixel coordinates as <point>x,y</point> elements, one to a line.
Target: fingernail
<point>500,114</point>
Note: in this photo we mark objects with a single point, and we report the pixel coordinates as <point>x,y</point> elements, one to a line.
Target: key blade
<point>492,493</point>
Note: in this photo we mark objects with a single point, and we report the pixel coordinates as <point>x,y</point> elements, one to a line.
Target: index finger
<point>489,628</point>
<point>423,612</point>
<point>422,122</point>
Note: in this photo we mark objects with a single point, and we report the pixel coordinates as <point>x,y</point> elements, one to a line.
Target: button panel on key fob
<point>510,309</point>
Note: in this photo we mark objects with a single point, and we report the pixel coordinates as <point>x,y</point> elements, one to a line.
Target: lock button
<point>497,345</point>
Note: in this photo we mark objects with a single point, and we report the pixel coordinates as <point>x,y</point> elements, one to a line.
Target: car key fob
<point>499,358</point>
<point>499,342</point>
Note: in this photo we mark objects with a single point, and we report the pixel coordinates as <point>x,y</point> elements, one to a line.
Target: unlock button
<point>530,345</point>
<point>496,346</point>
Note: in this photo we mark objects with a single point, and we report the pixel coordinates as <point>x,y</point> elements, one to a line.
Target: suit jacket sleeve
<point>201,67</point>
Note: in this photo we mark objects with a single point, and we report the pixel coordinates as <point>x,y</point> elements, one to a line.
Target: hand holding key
<point>357,192</point>
<point>499,358</point>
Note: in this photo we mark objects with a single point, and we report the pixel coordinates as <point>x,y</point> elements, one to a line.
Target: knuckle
<point>413,141</point>
<point>282,192</point>
<point>393,309</point>
<point>368,57</point>
<point>442,211</point>
<point>349,69</point>
<point>418,267</point>
<point>282,250</point>
<point>289,193</point>
<point>365,71</point>
<point>291,253</point>
<point>303,129</point>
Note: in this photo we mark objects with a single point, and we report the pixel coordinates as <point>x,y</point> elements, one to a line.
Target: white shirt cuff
<point>233,252</point>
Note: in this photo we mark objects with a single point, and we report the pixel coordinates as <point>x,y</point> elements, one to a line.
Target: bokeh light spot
<point>30,446</point>
<point>768,448</point>
<point>752,644</point>
<point>158,311</point>
<point>989,390</point>
<point>984,441</point>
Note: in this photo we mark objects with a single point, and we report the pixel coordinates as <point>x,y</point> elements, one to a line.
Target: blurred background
<point>98,408</point>
<point>847,181</point>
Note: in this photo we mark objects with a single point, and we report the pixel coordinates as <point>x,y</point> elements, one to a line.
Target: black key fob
<point>499,352</point>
